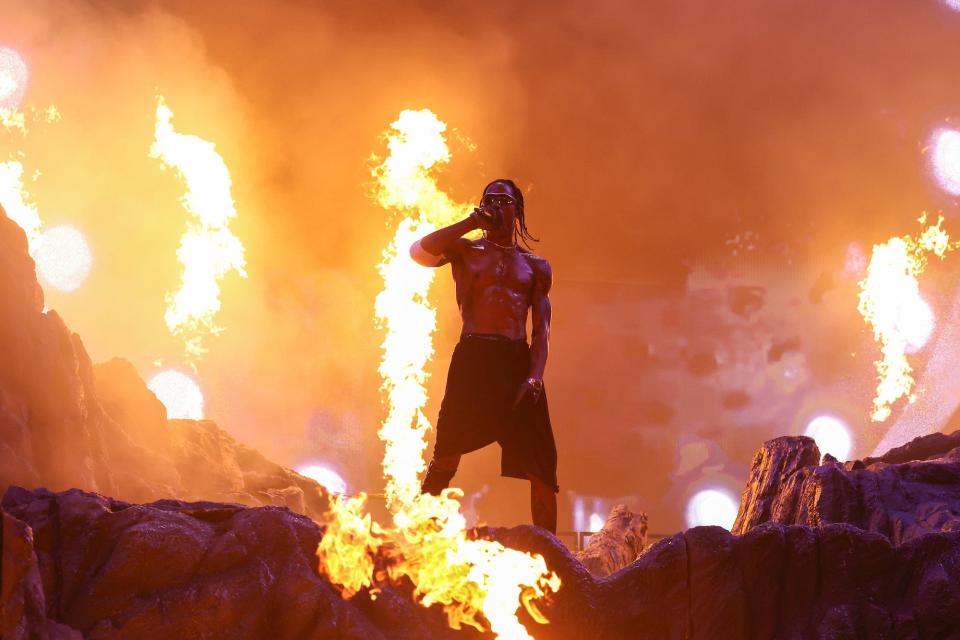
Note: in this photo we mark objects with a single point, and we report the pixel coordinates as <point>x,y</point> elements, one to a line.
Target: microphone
<point>494,218</point>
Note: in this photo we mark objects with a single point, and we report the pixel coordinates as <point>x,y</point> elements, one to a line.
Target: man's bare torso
<point>495,287</point>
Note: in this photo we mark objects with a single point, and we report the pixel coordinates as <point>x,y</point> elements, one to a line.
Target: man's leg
<point>439,474</point>
<point>543,504</point>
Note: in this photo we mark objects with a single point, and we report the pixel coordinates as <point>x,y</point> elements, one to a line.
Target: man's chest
<point>486,266</point>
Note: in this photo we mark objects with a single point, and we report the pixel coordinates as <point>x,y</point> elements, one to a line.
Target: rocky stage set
<point>155,529</point>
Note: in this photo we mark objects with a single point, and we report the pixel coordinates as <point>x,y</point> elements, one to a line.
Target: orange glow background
<point>697,172</point>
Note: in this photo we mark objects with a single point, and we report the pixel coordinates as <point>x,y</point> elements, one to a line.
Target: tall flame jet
<point>16,200</point>
<point>14,196</point>
<point>478,582</point>
<point>208,250</point>
<point>886,297</point>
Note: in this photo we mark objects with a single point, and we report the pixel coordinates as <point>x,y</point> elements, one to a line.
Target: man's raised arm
<point>435,249</point>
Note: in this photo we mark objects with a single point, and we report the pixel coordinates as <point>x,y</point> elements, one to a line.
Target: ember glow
<point>945,156</point>
<point>179,393</point>
<point>13,78</point>
<point>890,302</point>
<point>63,258</point>
<point>479,582</point>
<point>208,250</point>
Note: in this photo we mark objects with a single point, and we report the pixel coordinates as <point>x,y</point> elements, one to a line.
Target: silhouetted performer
<point>495,388</point>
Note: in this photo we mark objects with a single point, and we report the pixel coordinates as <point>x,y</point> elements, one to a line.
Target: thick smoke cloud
<point>696,171</point>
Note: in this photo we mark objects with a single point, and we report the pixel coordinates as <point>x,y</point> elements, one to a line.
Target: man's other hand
<point>531,387</point>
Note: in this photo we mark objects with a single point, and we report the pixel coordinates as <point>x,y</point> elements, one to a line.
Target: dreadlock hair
<point>520,230</point>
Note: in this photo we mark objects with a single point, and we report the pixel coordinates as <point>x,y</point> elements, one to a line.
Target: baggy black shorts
<point>486,373</point>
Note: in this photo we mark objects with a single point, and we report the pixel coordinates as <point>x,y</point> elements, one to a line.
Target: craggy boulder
<point>170,569</point>
<point>617,544</point>
<point>173,569</point>
<point>911,491</point>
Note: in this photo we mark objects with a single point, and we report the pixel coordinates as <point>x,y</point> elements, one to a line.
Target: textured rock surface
<point>110,569</point>
<point>776,460</point>
<point>910,491</point>
<point>172,569</point>
<point>617,544</point>
<point>67,423</point>
<point>23,611</point>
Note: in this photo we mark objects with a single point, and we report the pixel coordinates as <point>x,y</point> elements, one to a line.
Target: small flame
<point>888,295</point>
<point>14,196</point>
<point>13,120</point>
<point>478,582</point>
<point>208,250</point>
<point>16,200</point>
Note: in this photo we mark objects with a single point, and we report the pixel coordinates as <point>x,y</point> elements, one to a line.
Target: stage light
<point>326,478</point>
<point>63,258</point>
<point>915,323</point>
<point>712,507</point>
<point>831,435</point>
<point>953,4</point>
<point>13,78</point>
<point>179,393</point>
<point>596,522</point>
<point>945,156</point>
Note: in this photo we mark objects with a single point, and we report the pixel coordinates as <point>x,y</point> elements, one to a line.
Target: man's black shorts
<point>486,372</point>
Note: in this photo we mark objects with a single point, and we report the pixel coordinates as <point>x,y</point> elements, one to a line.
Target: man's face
<point>499,198</point>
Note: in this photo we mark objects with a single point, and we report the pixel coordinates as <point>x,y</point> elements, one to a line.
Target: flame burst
<point>208,250</point>
<point>888,296</point>
<point>13,192</point>
<point>16,201</point>
<point>478,582</point>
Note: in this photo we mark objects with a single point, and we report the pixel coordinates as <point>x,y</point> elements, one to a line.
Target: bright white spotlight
<point>179,393</point>
<point>831,435</point>
<point>712,507</point>
<point>945,156</point>
<point>953,4</point>
<point>13,78</point>
<point>63,258</point>
<point>596,522</point>
<point>326,478</point>
<point>915,322</point>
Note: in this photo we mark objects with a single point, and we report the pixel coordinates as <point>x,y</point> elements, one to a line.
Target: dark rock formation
<point>617,544</point>
<point>776,460</point>
<point>911,491</point>
<point>110,569</point>
<point>67,423</point>
<point>925,447</point>
<point>172,569</point>
<point>23,611</point>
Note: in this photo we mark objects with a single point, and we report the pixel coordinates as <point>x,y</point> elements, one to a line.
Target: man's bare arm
<point>541,314</point>
<point>434,249</point>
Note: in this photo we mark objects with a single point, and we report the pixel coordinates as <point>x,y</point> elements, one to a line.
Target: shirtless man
<point>494,390</point>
